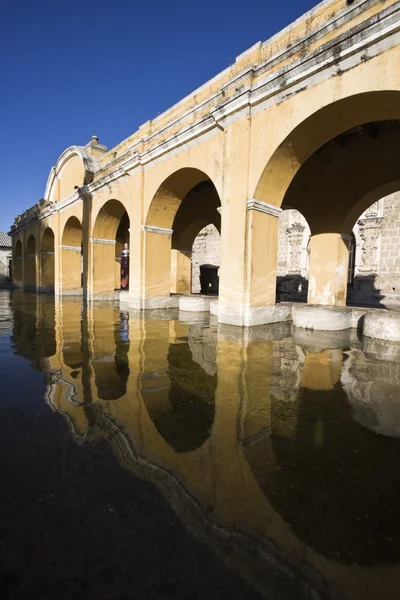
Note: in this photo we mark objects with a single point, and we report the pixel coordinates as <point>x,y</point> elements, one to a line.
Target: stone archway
<point>71,258</point>
<point>326,171</point>
<point>183,205</point>
<point>110,232</point>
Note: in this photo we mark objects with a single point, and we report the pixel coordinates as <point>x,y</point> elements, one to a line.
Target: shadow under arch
<point>17,264</point>
<point>110,232</point>
<point>318,129</point>
<point>183,407</point>
<point>30,263</point>
<point>71,257</point>
<point>47,261</point>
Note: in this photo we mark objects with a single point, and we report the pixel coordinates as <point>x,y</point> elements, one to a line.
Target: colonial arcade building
<point>307,121</point>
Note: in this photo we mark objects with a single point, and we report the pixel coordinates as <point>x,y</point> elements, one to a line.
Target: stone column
<point>156,291</point>
<point>103,268</point>
<point>181,271</point>
<point>260,268</point>
<point>329,260</point>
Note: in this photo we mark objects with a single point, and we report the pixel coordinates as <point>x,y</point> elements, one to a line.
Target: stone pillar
<point>181,271</point>
<point>260,274</point>
<point>70,283</point>
<point>329,259</point>
<point>156,292</point>
<point>103,268</point>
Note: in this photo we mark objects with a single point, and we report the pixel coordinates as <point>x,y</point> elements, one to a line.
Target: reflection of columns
<point>157,270</point>
<point>329,259</point>
<point>181,271</point>
<point>260,268</point>
<point>369,230</point>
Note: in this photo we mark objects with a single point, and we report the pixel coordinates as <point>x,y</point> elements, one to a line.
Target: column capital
<point>152,229</point>
<point>264,207</point>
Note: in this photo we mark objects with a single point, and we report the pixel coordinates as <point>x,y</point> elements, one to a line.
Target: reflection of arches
<point>110,232</point>
<point>17,264</point>
<point>30,263</point>
<point>47,261</point>
<point>184,203</point>
<point>183,412</point>
<point>71,257</point>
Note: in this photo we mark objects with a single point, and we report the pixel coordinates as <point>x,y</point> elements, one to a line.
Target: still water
<point>168,457</point>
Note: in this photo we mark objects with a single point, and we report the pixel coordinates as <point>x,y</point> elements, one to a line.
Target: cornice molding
<point>102,241</point>
<point>264,207</point>
<point>161,230</point>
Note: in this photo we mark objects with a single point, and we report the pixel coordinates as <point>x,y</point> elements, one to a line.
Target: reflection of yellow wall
<point>259,137</point>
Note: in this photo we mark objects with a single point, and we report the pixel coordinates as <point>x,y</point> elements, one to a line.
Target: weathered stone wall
<point>205,251</point>
<point>5,257</point>
<point>389,272</point>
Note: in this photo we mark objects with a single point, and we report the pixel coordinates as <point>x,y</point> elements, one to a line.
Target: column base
<point>244,316</point>
<point>322,318</point>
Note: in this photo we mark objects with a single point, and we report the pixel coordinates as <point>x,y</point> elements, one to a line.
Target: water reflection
<point>278,448</point>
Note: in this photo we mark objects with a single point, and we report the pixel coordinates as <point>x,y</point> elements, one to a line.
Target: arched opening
<point>182,207</point>
<point>292,264</point>
<point>30,263</point>
<point>206,250</point>
<point>17,264</point>
<point>328,168</point>
<point>110,250</point>
<point>47,261</point>
<point>71,257</point>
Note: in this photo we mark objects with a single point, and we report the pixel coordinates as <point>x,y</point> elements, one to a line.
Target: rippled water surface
<point>167,457</point>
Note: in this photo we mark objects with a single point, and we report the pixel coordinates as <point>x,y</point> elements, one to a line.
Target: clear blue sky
<point>73,69</point>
